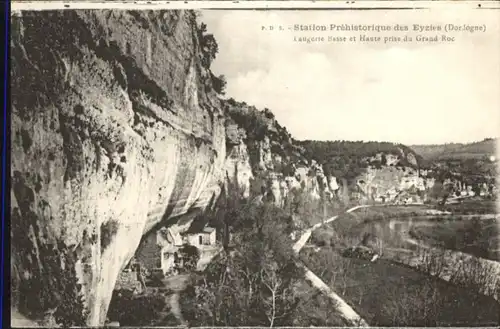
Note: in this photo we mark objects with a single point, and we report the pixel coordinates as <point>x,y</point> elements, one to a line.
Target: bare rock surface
<point>114,129</point>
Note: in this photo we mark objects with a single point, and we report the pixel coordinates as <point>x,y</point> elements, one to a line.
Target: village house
<point>206,237</point>
<point>160,250</point>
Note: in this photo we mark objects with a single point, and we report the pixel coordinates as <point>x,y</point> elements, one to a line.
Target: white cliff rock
<point>113,131</point>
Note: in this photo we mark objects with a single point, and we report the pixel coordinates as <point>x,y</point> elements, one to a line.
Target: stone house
<point>160,250</point>
<point>206,237</point>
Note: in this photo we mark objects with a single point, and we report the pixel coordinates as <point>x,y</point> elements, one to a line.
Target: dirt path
<point>177,284</point>
<point>17,320</point>
<point>345,310</point>
<point>307,233</point>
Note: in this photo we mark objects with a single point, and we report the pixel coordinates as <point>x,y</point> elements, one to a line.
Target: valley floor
<point>362,283</point>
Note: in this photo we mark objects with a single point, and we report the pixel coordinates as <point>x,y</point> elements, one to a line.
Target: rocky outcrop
<point>393,175</point>
<point>270,160</point>
<point>390,183</point>
<point>115,128</point>
<point>237,165</point>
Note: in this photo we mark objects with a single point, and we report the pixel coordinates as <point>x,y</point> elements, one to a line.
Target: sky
<point>411,93</point>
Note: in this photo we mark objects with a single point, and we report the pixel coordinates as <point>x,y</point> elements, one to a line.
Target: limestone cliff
<point>115,127</point>
<point>271,155</point>
<point>271,162</point>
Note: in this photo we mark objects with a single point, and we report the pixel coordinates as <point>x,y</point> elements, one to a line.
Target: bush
<point>251,284</point>
<point>191,256</point>
<point>323,236</point>
<point>132,310</point>
<point>359,252</point>
<point>219,84</point>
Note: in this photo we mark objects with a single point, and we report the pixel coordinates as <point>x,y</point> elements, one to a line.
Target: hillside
<point>348,159</point>
<point>340,171</point>
<point>457,151</point>
<point>472,162</point>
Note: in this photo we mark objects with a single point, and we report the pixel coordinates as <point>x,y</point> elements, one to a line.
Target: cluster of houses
<point>159,252</point>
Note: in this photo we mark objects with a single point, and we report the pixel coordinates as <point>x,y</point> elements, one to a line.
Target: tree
<point>268,114</point>
<point>439,192</point>
<point>253,283</point>
<point>476,188</point>
<point>190,255</point>
<point>384,159</point>
<point>219,83</point>
<point>209,49</point>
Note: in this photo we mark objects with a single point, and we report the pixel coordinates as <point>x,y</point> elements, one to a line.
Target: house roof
<point>199,225</point>
<point>205,230</point>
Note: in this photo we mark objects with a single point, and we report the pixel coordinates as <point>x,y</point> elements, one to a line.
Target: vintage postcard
<point>255,164</point>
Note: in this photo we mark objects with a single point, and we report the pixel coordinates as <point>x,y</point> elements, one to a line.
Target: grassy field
<point>479,237</point>
<point>386,294</point>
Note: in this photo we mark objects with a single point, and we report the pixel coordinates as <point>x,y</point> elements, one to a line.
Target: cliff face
<point>115,127</point>
<point>270,160</point>
<point>283,164</point>
<point>393,184</point>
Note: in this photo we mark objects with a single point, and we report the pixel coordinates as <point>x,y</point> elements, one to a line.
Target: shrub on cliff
<point>108,231</point>
<point>219,83</point>
<point>208,45</point>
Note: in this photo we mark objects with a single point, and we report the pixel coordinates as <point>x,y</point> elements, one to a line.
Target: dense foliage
<point>348,159</point>
<point>209,49</point>
<point>457,151</point>
<point>143,310</point>
<point>471,171</point>
<point>252,282</point>
<point>261,124</point>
